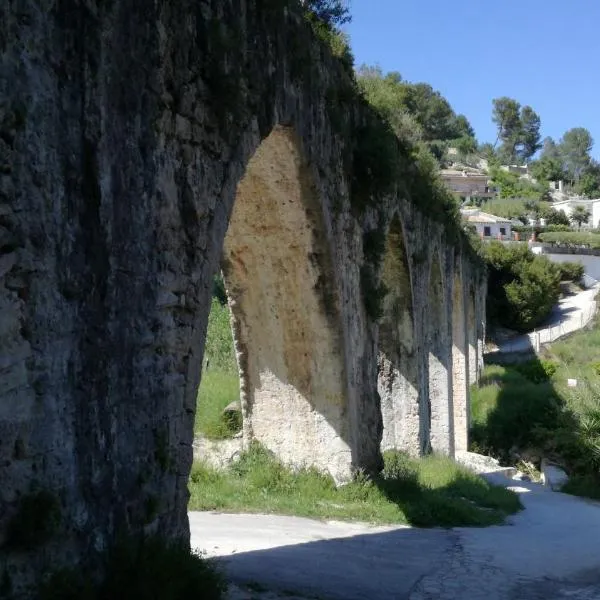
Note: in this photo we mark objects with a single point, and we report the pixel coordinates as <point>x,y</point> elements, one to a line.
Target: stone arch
<point>460,365</point>
<point>286,327</point>
<point>397,380</point>
<point>439,363</point>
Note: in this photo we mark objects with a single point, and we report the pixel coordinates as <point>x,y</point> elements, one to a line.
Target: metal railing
<point>539,337</point>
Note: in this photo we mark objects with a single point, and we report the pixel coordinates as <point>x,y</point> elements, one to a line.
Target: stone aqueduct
<point>144,144</point>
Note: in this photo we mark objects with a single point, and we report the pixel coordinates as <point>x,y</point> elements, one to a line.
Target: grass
<point>516,410</point>
<point>433,491</point>
<point>220,384</point>
<point>217,390</point>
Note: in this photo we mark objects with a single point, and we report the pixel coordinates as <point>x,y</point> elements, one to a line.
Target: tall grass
<point>513,410</point>
<point>220,384</point>
<point>433,491</point>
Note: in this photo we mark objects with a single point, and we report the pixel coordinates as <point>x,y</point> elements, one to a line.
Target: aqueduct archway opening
<point>276,265</point>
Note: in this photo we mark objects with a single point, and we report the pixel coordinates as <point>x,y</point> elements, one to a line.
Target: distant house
<point>468,184</point>
<point>593,206</point>
<point>488,226</point>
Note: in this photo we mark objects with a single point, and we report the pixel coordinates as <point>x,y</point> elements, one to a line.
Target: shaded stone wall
<point>132,136</point>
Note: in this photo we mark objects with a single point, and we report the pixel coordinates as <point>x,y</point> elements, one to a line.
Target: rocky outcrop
<point>131,137</point>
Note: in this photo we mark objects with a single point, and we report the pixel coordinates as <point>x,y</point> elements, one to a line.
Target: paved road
<point>551,550</point>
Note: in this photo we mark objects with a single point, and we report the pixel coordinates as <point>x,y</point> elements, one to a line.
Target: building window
<point>502,230</point>
<point>487,232</point>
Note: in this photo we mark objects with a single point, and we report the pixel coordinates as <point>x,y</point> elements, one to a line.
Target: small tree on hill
<point>580,215</point>
<point>332,12</point>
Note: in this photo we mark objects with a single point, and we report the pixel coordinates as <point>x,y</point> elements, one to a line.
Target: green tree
<point>580,215</point>
<point>463,128</point>
<point>465,145</point>
<point>518,130</point>
<point>415,110</point>
<point>334,13</point>
<point>555,217</point>
<point>547,168</point>
<point>550,149</point>
<point>530,133</point>
<point>575,147</point>
<point>522,287</point>
<point>589,182</point>
<point>506,116</point>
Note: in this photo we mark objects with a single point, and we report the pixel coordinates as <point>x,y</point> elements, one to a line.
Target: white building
<point>488,226</point>
<point>593,206</point>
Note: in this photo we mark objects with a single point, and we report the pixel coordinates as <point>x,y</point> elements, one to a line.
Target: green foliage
<point>218,349</point>
<point>415,111</point>
<point>148,569</point>
<point>547,168</point>
<point>373,292</point>
<point>332,13</point>
<point>428,492</point>
<point>375,164</point>
<point>511,411</point>
<point>571,271</point>
<point>35,522</point>
<point>220,384</point>
<point>580,215</point>
<point>518,130</point>
<point>572,239</point>
<point>522,287</point>
<point>219,289</point>
<point>217,390</point>
<point>537,370</point>
<point>575,147</point>
<point>338,42</point>
<point>589,181</point>
<point>510,185</point>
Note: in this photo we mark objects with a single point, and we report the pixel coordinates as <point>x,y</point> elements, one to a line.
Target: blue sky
<point>545,53</point>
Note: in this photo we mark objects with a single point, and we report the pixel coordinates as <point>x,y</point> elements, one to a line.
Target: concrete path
<point>571,313</point>
<point>551,550</point>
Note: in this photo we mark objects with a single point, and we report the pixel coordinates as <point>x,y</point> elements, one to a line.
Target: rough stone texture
<point>439,339</point>
<point>398,372</point>
<point>288,333</point>
<point>460,363</point>
<point>127,131</point>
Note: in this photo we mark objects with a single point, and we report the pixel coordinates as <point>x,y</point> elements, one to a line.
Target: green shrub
<point>537,370</point>
<point>522,287</point>
<point>572,239</point>
<point>571,271</point>
<point>595,366</point>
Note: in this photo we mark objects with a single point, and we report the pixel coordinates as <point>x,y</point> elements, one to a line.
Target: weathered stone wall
<point>131,136</point>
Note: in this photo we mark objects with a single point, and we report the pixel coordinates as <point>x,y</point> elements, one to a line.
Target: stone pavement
<point>550,550</point>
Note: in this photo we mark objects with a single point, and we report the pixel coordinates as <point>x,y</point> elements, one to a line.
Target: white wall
<point>494,230</point>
